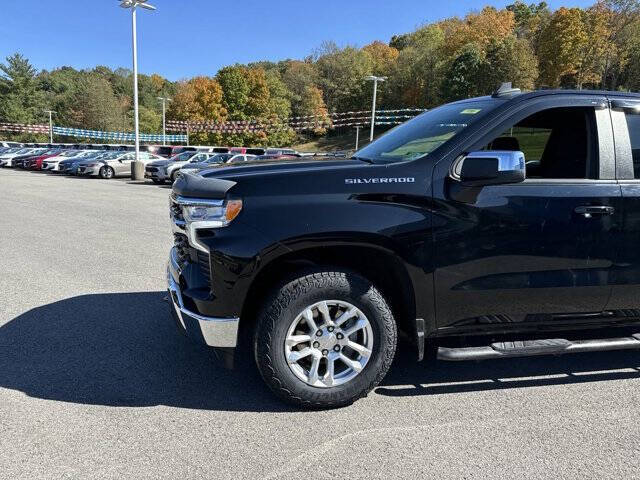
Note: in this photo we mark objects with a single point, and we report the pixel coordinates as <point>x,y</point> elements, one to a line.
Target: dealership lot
<point>96,381</point>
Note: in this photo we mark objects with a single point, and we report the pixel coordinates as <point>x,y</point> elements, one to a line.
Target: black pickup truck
<point>494,227</point>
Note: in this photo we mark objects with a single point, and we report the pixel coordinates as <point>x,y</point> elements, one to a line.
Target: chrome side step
<point>530,348</point>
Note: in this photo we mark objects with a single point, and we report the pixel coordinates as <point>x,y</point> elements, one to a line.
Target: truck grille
<point>203,261</point>
<point>151,169</point>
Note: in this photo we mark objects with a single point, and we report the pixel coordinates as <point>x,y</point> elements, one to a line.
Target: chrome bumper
<point>212,331</point>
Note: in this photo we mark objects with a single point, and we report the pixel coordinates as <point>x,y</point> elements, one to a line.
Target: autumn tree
<point>383,57</point>
<point>477,28</point>
<point>416,78</point>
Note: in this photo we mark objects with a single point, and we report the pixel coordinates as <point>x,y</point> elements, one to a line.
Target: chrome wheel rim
<point>328,344</point>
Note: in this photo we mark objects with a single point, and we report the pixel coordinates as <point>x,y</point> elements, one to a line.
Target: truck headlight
<point>214,213</point>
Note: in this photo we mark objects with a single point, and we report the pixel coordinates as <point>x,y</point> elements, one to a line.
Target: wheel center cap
<point>327,340</point>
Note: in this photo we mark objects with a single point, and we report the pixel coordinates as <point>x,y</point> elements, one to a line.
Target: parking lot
<point>96,381</point>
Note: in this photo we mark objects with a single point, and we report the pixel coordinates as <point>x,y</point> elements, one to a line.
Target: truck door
<point>540,251</point>
<point>625,298</point>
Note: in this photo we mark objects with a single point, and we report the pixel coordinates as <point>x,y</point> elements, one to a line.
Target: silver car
<point>113,164</point>
<point>167,169</point>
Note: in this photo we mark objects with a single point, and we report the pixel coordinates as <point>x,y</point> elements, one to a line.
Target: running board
<point>530,348</point>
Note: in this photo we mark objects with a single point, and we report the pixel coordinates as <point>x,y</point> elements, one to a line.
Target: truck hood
<point>271,167</point>
<point>214,183</point>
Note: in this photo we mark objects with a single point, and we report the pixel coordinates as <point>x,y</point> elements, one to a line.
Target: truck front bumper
<point>211,331</point>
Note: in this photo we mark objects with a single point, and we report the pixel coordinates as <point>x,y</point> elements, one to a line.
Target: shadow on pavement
<point>124,350</point>
<point>408,378</point>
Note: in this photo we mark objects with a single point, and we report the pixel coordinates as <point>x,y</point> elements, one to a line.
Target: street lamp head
<point>373,78</point>
<point>136,3</point>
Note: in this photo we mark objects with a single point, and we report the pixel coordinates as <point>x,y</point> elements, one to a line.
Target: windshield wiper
<point>362,159</point>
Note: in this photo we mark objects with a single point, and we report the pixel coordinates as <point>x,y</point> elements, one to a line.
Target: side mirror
<point>492,168</point>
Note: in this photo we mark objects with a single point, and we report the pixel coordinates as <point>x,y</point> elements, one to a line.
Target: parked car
<point>218,160</point>
<point>10,158</point>
<point>35,163</point>
<point>23,161</point>
<point>490,228</point>
<point>167,170</point>
<point>70,165</point>
<point>52,164</point>
<point>113,164</point>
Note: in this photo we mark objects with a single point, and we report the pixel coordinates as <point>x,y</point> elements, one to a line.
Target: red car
<point>35,163</point>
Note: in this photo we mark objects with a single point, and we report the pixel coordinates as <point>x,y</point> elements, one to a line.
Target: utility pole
<point>164,118</point>
<point>133,4</point>
<point>358,127</point>
<point>375,81</point>
<point>50,112</point>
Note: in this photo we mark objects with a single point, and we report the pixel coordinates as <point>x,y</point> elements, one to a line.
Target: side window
<point>558,143</point>
<point>633,123</point>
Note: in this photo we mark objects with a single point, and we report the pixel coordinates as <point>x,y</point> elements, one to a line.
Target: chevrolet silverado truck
<point>490,228</point>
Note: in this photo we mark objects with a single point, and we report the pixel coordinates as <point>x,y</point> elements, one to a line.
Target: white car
<point>52,164</point>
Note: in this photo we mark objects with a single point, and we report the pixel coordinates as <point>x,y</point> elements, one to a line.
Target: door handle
<point>588,211</point>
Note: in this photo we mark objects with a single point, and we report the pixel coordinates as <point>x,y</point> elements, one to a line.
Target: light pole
<point>375,81</point>
<point>50,112</point>
<point>133,5</point>
<point>358,127</point>
<point>164,118</point>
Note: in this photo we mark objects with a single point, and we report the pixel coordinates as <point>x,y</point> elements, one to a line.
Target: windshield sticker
<point>469,111</point>
<point>454,125</point>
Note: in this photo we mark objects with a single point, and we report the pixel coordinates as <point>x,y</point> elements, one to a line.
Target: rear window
<point>633,123</point>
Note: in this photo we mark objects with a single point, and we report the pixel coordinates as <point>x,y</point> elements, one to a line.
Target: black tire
<point>174,176</point>
<point>286,303</point>
<point>156,181</point>
<point>106,173</point>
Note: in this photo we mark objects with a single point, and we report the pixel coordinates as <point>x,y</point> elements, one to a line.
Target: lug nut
<point>330,329</point>
<point>336,348</point>
<point>319,333</point>
<point>325,352</point>
<point>316,344</point>
<point>339,336</point>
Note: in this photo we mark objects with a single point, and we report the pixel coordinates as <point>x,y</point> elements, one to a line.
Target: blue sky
<point>184,38</point>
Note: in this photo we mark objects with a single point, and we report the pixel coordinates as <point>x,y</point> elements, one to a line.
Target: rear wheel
<point>106,173</point>
<point>325,339</point>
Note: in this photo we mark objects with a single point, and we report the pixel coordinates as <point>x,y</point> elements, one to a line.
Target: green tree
<point>20,99</point>
<point>461,79</point>
<point>342,73</point>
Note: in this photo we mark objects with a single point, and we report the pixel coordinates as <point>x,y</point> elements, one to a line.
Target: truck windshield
<point>422,135</point>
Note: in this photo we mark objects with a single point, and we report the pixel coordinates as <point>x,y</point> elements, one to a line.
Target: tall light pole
<point>133,5</point>
<point>50,112</point>
<point>375,81</point>
<point>164,118</point>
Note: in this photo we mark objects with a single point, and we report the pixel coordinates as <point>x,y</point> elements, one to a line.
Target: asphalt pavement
<point>96,381</point>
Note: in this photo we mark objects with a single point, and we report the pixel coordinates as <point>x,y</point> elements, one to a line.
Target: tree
<point>342,74</point>
<point>95,105</point>
<point>416,78</point>
<point>297,77</point>
<point>312,105</point>
<point>509,60</point>
<point>477,28</point>
<point>20,99</point>
<point>574,46</point>
<point>461,79</point>
<point>383,57</point>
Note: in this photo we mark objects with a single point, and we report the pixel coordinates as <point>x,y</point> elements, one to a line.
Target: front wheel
<point>325,339</point>
<point>106,173</point>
